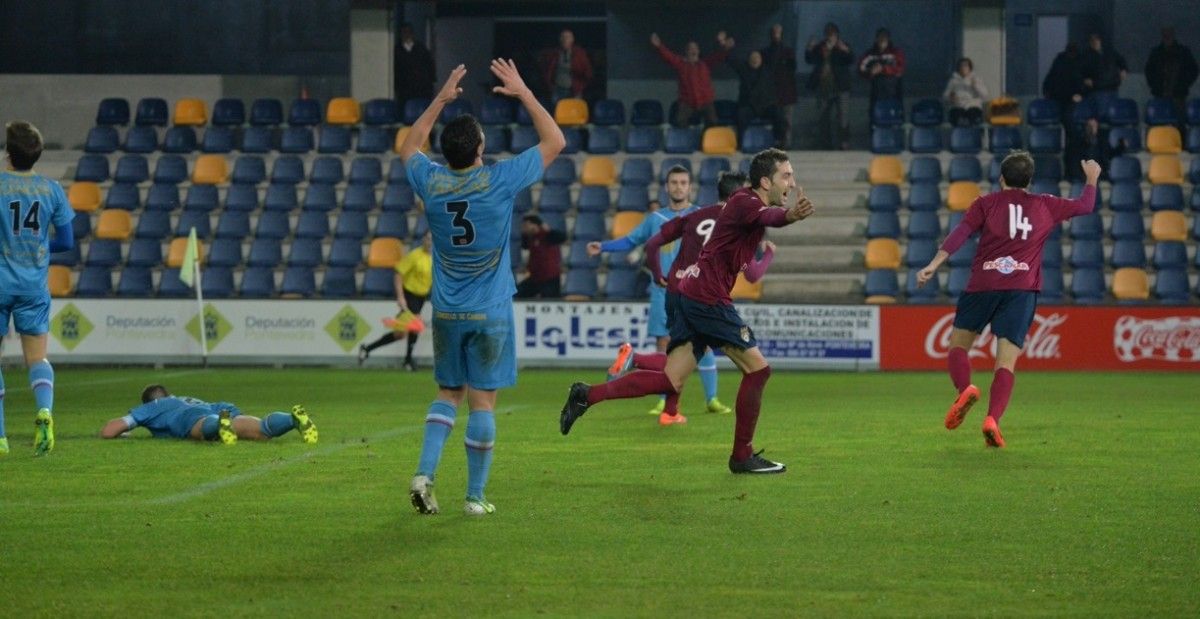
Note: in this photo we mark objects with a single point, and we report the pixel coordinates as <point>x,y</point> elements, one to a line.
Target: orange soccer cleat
<point>621,363</point>
<point>962,405</point>
<point>991,433</point>
<point>667,419</point>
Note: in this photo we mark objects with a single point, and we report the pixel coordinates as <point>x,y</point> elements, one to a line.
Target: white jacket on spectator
<point>965,92</point>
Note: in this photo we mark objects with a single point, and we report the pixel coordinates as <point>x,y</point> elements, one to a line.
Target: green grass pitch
<point>1092,510</point>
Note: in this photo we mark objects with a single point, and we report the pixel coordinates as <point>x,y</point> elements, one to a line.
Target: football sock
<point>960,368</point>
<point>749,401</point>
<point>208,429</point>
<point>438,424</point>
<point>2,406</point>
<point>41,381</point>
<point>708,374</point>
<point>276,423</point>
<point>386,339</point>
<point>412,341</point>
<point>650,361</point>
<point>1002,386</point>
<point>631,385</point>
<point>481,436</point>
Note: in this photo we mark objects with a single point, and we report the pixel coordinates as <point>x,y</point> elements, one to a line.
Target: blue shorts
<point>672,307</point>
<point>476,349</point>
<point>709,326</point>
<point>30,313</point>
<point>1010,312</point>
<point>658,326</point>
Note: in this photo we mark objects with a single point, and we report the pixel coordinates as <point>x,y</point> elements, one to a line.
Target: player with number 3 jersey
<point>1006,276</point>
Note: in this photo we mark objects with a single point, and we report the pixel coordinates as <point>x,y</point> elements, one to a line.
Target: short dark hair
<point>24,144</point>
<point>533,219</point>
<point>678,169</point>
<point>764,165</point>
<point>729,182</point>
<point>1017,169</point>
<point>970,64</point>
<point>154,392</point>
<point>460,141</point>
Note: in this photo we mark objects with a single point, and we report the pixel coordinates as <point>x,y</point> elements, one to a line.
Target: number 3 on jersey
<point>459,209</point>
<point>1017,221</point>
<point>31,220</point>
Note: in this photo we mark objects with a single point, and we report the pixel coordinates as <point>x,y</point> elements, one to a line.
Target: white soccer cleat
<point>421,493</point>
<point>478,507</point>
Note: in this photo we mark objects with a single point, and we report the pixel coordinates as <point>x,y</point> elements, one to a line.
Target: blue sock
<point>438,424</point>
<point>276,424</point>
<point>481,436</point>
<point>208,429</point>
<point>708,374</point>
<point>2,406</point>
<point>41,380</point>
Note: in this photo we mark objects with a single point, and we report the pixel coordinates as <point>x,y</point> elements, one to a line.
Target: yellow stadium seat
<point>1164,141</point>
<point>403,133</point>
<point>1004,112</point>
<point>1131,284</point>
<point>625,222</point>
<point>343,111</point>
<point>880,299</point>
<point>961,195</point>
<point>84,196</point>
<point>59,281</point>
<point>719,141</point>
<point>571,112</point>
<point>743,290</point>
<point>190,112</point>
<point>114,224</point>
<point>1166,170</point>
<point>883,254</point>
<point>1169,226</point>
<point>384,253</point>
<point>210,170</point>
<point>599,171</point>
<point>885,170</point>
<point>178,248</point>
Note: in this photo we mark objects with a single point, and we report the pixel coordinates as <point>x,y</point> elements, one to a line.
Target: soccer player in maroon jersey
<point>706,316</point>
<point>1006,276</point>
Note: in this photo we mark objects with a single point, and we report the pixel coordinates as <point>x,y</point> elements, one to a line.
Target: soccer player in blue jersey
<point>32,204</point>
<point>679,191</point>
<point>470,210</point>
<point>169,416</point>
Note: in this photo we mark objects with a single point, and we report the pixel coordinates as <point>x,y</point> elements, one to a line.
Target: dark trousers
<point>685,112</point>
<point>529,289</point>
<point>966,116</point>
<point>834,122</point>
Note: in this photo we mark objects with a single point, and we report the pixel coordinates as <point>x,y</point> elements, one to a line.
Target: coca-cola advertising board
<point>1061,338</point>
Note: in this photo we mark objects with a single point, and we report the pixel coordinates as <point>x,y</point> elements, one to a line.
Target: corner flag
<point>187,270</point>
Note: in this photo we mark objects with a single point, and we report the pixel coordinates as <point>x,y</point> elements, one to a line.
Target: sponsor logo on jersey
<point>1006,265</point>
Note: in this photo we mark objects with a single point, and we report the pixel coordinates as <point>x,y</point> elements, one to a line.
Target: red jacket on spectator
<point>891,59</point>
<point>581,68</point>
<point>695,78</point>
<point>545,258</point>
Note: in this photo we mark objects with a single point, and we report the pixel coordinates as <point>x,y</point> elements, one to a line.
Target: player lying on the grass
<point>35,204</point>
<point>706,316</point>
<point>692,231</point>
<point>1006,276</point>
<point>170,416</point>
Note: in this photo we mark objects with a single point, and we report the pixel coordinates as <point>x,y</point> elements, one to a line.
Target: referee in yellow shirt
<point>414,278</point>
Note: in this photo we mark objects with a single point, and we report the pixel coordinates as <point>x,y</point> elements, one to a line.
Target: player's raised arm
<point>419,133</point>
<point>971,222</point>
<point>757,268</point>
<point>551,140</point>
<point>1086,202</point>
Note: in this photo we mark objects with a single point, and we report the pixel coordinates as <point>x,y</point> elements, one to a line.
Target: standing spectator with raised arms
<point>567,69</point>
<point>831,58</point>
<point>695,77</point>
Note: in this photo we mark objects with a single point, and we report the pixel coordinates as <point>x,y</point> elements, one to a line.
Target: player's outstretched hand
<point>510,79</point>
<point>924,275</point>
<point>450,89</point>
<point>801,210</point>
<point>1091,170</point>
<point>768,246</point>
<point>593,248</point>
<point>654,40</point>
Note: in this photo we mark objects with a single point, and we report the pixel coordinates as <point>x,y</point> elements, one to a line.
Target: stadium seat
<point>1052,285</point>
<point>413,108</point>
<point>1193,140</point>
<point>229,112</point>
<point>884,140</point>
<point>102,139</point>
<point>379,283</point>
<point>249,170</point>
<point>265,252</point>
<point>574,138</point>
<point>338,283</point>
<point>201,198</point>
<point>1131,284</point>
<point>670,162</point>
<point>112,111</point>
<point>1166,169</point>
<point>1170,255</point>
<point>883,225</point>
<point>885,170</point>
<point>122,196</point>
<point>633,198</point>
<point>241,198</point>
<point>496,111</point>
<point>376,112</point>
<point>1045,140</point>
<point>390,225</point>
<point>623,285</point>
<point>578,258</point>
<point>1045,187</point>
<point>326,170</point>
<point>646,112</point>
<point>554,199</point>
<point>603,141</point>
<point>1166,198</point>
<point>145,253</point>
<point>384,253</point>
<point>965,168</point>
<point>1003,139</point>
<point>210,170</point>
<point>1161,112</point>
<point>956,282</point>
<point>191,112</point>
<point>966,253</point>
<point>924,197</point>
<point>589,227</point>
<point>217,282</point>
<point>593,199</point>
<point>373,140</point>
<point>966,140</point>
<point>1125,169</point>
<point>258,283</point>
<point>132,169</point>
<point>115,225</point>
<point>84,196</point>
<point>296,140</point>
<point>58,280</point>
<point>359,198</point>
<point>883,198</point>
<point>925,140</point>
<point>580,285</point>
<point>921,294</point>
<point>927,113</point>
<point>272,225</point>
<point>287,170</point>
<point>1128,253</point>
<point>1126,225</point>
<point>882,253</point>
<point>312,224</point>
<point>523,138</point>
<point>177,250</point>
<point>333,140</point>
<point>1169,226</point>
<point>561,171</point>
<point>571,112</point>
<point>1087,227</point>
<point>608,112</point>
<point>162,197</point>
<point>81,225</point>
<point>151,111</point>
<point>153,225</point>
<point>881,286</point>
<point>681,141</point>
<point>170,170</point>
<point>756,138</point>
<point>135,282</point>
<point>1125,140</point>
<point>454,109</point>
<point>1086,254</point>
<point>918,252</point>
<point>305,252</point>
<point>624,222</point>
<point>1164,141</point>
<point>1171,286</point>
<point>104,253</point>
<point>642,140</point>
<point>718,141</point>
<point>257,140</point>
<point>1126,196</point>
<point>887,113</point>
<point>495,140</point>
<point>999,117</point>
<point>637,171</point>
<point>924,225</point>
<point>1121,112</point>
<point>140,140</point>
<point>94,282</point>
<point>711,169</point>
<point>1043,113</point>
<point>233,225</point>
<point>351,225</point>
<point>343,111</point>
<point>304,113</point>
<point>1084,111</point>
<point>345,253</point>
<point>398,198</point>
<point>1047,168</point>
<point>598,171</point>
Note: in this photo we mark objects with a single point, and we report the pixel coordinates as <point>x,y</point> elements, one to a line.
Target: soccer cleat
<point>755,464</point>
<point>421,493</point>
<point>658,408</point>
<point>3,445</point>
<point>715,406</point>
<point>225,429</point>
<point>304,425</point>
<point>667,419</point>
<point>409,365</point>
<point>991,433</point>
<point>363,354</point>
<point>622,362</point>
<point>43,434</point>
<point>478,507</point>
<point>962,405</point>
<point>576,406</point>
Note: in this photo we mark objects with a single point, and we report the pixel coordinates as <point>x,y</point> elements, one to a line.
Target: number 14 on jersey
<point>1018,222</point>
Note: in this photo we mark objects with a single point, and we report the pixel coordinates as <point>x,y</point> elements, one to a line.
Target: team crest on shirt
<point>1006,265</point>
<point>746,334</point>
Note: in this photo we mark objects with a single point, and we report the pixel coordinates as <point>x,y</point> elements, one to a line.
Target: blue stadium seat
<point>339,283</point>
<point>94,282</point>
<point>884,198</point>
<point>202,198</point>
<point>1047,168</point>
<point>756,138</point>
<point>102,139</point>
<point>326,170</point>
<point>523,201</point>
<point>1171,286</point>
<point>1084,111</point>
<point>312,225</point>
<point>132,169</point>
<point>135,282</point>
<point>924,170</point>
<point>881,282</point>
<point>1043,113</point>
<point>1193,174</point>
<point>887,113</point>
<point>1121,112</point>
<point>181,140</point>
<point>396,172</point>
<point>1087,227</point>
<point>265,252</point>
<point>670,162</point>
<point>624,285</point>
<point>578,258</point>
<point>884,140</point>
<point>1052,254</point>
<point>1127,225</point>
<point>523,138</point>
<point>454,109</point>
<point>1193,111</point>
<point>272,225</point>
<point>398,198</point>
<point>603,141</point>
<point>123,196</point>
<point>81,225</point>
<point>966,140</point>
<point>496,111</point>
<point>287,170</point>
<point>1170,255</point>
<point>637,171</point>
<point>151,111</point>
<point>359,198</point>
<point>1076,190</point>
<point>1161,112</point>
<point>1045,186</point>
<point>258,283</point>
<point>574,139</point>
<point>593,199</point>
<point>257,140</point>
<point>608,112</point>
<point>229,113</point>
<point>925,140</point>
<point>162,198</point>
<point>145,253</point>
<point>554,199</point>
<point>1125,169</point>
<point>965,168</point>
<point>373,140</point>
<point>581,283</point>
<point>994,171</point>
<point>305,252</point>
<point>381,112</point>
<point>682,140</point>
<point>1128,253</point>
<point>1045,140</point>
<point>561,171</point>
<point>153,225</point>
<point>641,140</point>
<point>707,194</point>
<point>252,169</point>
<point>924,197</point>
<point>421,225</point>
<point>633,198</point>
<point>924,225</point>
<point>646,113</point>
<point>1001,140</point>
<point>711,169</point>
<point>241,198</point>
<point>919,251</point>
<point>345,252</point>
<point>962,257</point>
<point>296,140</point>
<point>225,252</point>
<point>333,140</point>
<point>1086,254</point>
<point>92,168</point>
<point>392,225</point>
<point>413,108</point>
<point>365,171</point>
<point>141,140</point>
<point>1192,140</point>
<point>1194,203</point>
<point>170,286</point>
<point>927,113</point>
<point>266,112</point>
<point>1052,285</point>
<point>1125,139</point>
<point>379,283</point>
<point>171,170</point>
<point>304,113</point>
<point>556,221</point>
<point>956,282</point>
<point>352,225</point>
<point>1166,198</point>
<point>918,294</point>
<point>217,282</point>
<point>589,227</point>
<point>104,253</point>
<point>495,140</point>
<point>1125,196</point>
<point>1087,285</point>
<point>112,111</point>
<point>233,225</point>
<point>280,198</point>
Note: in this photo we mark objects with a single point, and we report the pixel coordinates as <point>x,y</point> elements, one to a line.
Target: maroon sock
<point>1002,386</point>
<point>650,361</point>
<point>749,401</point>
<point>672,403</point>
<point>960,368</point>
<point>631,385</point>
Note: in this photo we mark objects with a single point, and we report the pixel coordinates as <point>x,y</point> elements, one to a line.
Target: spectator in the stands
<point>780,59</point>
<point>1171,70</point>
<point>965,94</point>
<point>830,57</point>
<point>883,65</point>
<point>1064,84</point>
<point>756,95</point>
<point>653,205</point>
<point>1103,69</point>
<point>413,67</point>
<point>566,69</point>
<point>545,259</point>
<point>695,77</point>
